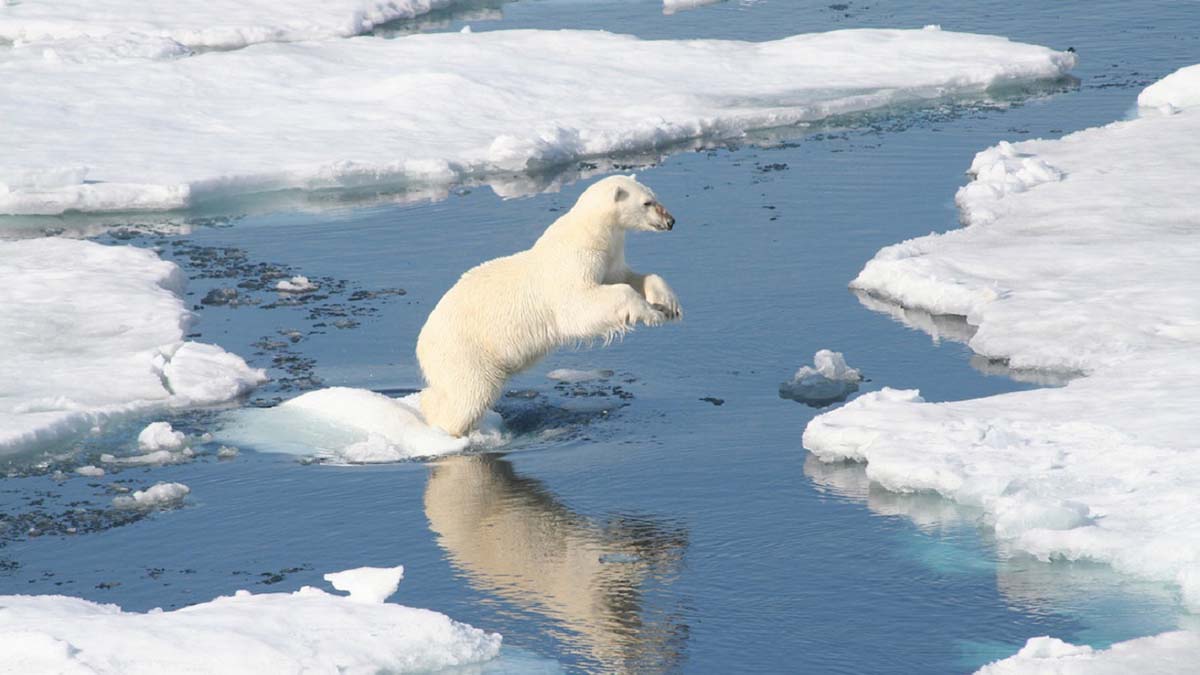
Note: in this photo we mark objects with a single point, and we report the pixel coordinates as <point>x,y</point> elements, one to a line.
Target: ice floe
<point>92,332</point>
<point>828,380</point>
<point>1078,254</point>
<point>160,436</point>
<point>672,6</point>
<point>434,110</point>
<point>572,375</point>
<point>200,24</point>
<point>342,425</point>
<point>156,496</point>
<point>306,631</point>
<point>297,284</point>
<point>1171,653</point>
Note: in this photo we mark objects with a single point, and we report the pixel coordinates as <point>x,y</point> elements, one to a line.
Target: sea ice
<point>156,496</point>
<point>306,631</point>
<point>1078,255</point>
<point>368,584</point>
<point>828,380</point>
<point>352,426</point>
<point>296,284</point>
<point>672,6</point>
<point>90,471</point>
<point>571,375</point>
<point>437,109</point>
<point>1173,653</point>
<point>92,332</point>
<point>201,24</point>
<point>160,436</point>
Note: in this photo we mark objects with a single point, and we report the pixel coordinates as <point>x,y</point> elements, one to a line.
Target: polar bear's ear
<point>620,195</point>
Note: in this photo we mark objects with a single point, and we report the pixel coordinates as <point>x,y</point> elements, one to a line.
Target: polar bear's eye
<point>648,204</point>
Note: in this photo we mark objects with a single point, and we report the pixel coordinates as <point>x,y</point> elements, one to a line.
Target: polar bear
<point>571,287</point>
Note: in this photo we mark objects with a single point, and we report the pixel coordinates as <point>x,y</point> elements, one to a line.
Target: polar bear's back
<point>496,314</point>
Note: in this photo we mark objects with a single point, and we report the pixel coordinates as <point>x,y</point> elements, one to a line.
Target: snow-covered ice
<point>827,381</point>
<point>1180,89</point>
<point>297,284</point>
<point>90,471</point>
<point>368,584</point>
<point>1173,653</point>
<point>156,496</point>
<point>433,110</point>
<point>92,332</point>
<point>352,426</point>
<point>306,631</point>
<point>1078,254</point>
<point>201,24</point>
<point>160,436</point>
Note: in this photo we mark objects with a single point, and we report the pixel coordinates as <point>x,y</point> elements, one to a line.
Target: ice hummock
<point>827,381</point>
<point>306,631</point>
<point>439,109</point>
<point>157,496</point>
<point>202,24</point>
<point>343,425</point>
<point>93,332</point>
<point>160,436</point>
<point>1078,254</point>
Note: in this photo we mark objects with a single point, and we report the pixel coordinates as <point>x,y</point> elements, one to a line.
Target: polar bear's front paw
<point>661,297</point>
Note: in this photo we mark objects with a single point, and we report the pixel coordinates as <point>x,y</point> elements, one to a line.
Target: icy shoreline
<point>306,631</point>
<point>436,110</point>
<point>1077,254</point>
<point>95,332</point>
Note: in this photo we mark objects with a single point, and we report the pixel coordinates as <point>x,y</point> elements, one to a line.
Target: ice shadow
<point>956,328</point>
<point>513,538</point>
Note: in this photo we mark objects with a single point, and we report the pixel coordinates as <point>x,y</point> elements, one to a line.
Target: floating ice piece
<point>98,332</point>
<point>90,471</point>
<point>211,24</point>
<point>368,584</point>
<point>828,380</point>
<point>306,631</point>
<point>1175,92</point>
<point>296,284</point>
<point>1093,273</point>
<point>353,426</point>
<point>1174,653</point>
<point>422,112</point>
<point>672,6</point>
<point>571,375</point>
<point>160,436</point>
<point>158,457</point>
<point>157,496</point>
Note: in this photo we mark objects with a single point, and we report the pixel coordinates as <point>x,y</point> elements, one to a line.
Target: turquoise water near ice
<point>655,531</point>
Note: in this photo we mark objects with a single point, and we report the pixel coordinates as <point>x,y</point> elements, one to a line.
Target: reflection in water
<point>1128,607</point>
<point>956,329</point>
<point>512,537</point>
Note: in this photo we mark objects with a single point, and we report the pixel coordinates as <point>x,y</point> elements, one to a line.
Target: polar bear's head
<point>628,204</point>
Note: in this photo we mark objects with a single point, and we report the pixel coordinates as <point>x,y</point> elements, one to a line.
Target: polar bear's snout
<point>664,216</point>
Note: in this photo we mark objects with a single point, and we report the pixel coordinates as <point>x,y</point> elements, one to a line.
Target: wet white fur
<point>571,287</point>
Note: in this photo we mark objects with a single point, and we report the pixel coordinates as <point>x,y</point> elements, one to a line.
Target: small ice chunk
<point>161,494</point>
<point>227,452</point>
<point>296,284</point>
<point>828,380</point>
<point>571,375</point>
<point>160,436</point>
<point>149,458</point>
<point>90,471</point>
<point>371,585</point>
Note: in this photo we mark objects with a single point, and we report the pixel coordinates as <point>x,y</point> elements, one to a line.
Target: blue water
<point>657,531</point>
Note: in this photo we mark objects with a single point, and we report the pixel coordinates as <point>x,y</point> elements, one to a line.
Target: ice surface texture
<point>307,631</point>
<point>1078,254</point>
<point>202,24</point>
<point>432,110</point>
<point>92,331</point>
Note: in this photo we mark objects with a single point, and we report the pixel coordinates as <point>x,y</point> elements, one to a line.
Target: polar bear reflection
<point>512,537</point>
